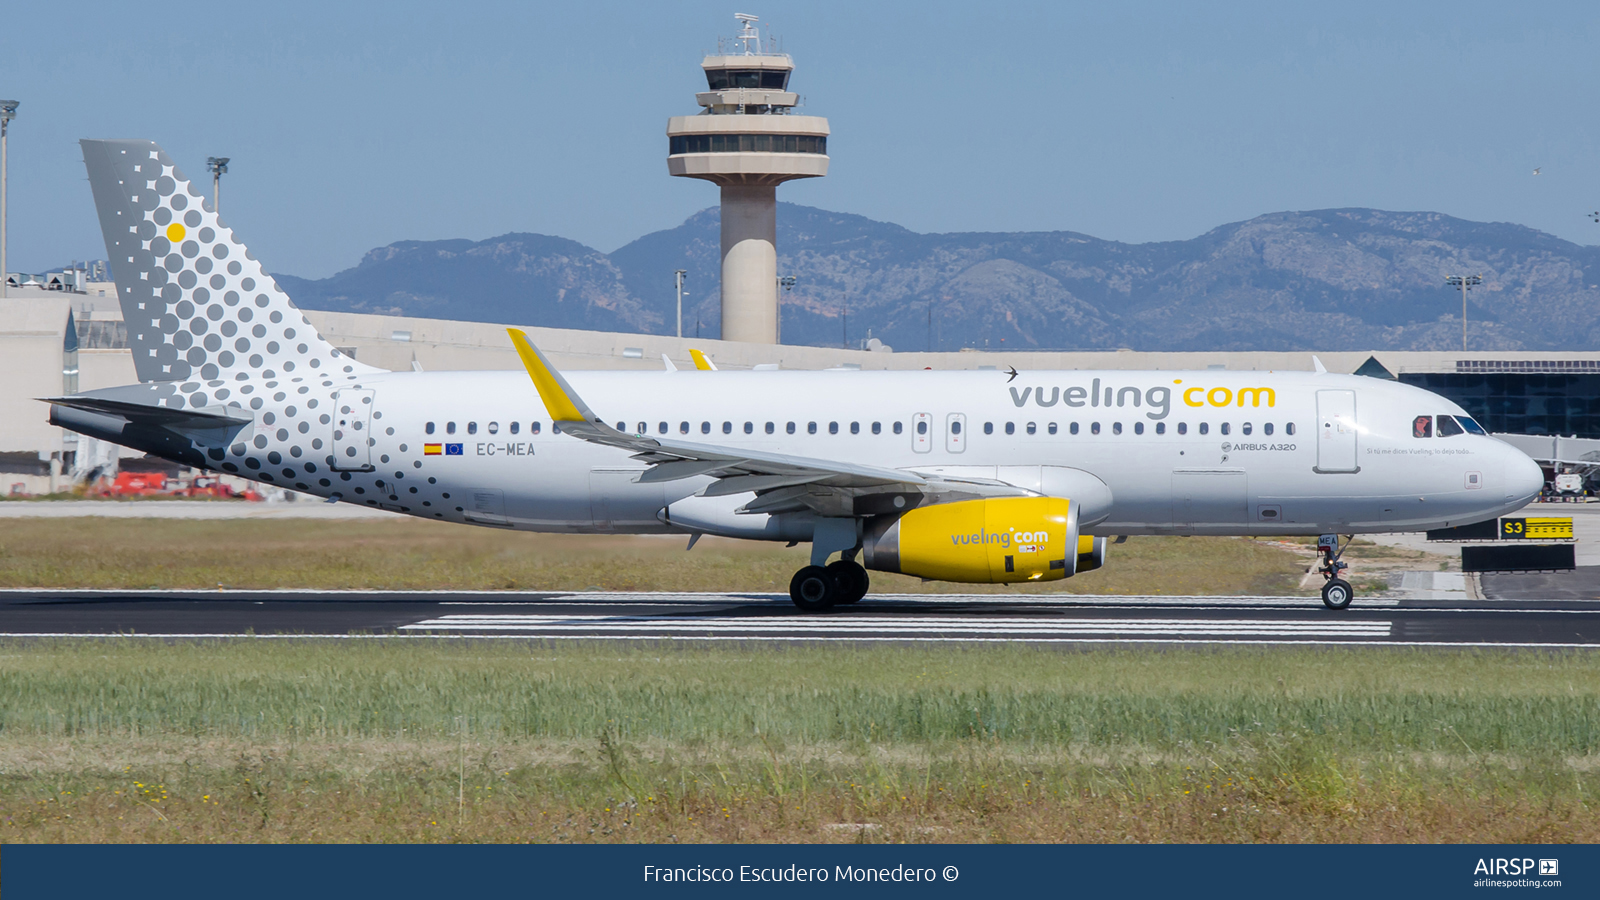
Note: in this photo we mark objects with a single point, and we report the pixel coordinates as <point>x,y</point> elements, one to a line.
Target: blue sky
<point>355,125</point>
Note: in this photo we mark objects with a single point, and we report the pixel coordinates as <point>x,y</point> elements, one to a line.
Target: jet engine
<point>991,540</point>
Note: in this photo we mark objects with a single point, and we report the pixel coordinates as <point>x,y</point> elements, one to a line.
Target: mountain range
<point>1334,279</point>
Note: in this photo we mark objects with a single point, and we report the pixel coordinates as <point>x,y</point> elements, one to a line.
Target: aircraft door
<point>955,432</point>
<point>352,419</point>
<point>1336,432</point>
<point>922,432</point>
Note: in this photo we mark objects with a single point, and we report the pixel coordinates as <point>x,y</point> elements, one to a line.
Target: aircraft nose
<point>1523,477</point>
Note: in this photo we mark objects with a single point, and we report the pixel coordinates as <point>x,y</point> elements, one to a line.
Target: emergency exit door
<point>1337,435</point>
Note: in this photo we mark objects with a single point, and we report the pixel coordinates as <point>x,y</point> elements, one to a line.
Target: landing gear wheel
<point>1337,593</point>
<point>812,589</point>
<point>850,580</point>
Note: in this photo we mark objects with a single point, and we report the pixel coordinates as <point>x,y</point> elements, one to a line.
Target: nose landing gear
<point>1336,592</point>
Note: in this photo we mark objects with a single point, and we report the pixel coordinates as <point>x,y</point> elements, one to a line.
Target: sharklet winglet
<point>562,402</point>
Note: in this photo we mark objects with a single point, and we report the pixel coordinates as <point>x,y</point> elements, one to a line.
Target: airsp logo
<point>1501,866</point>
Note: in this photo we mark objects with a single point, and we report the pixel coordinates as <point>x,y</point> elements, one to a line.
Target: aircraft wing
<point>737,469</point>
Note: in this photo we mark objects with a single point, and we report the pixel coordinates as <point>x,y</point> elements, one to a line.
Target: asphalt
<point>757,617</point>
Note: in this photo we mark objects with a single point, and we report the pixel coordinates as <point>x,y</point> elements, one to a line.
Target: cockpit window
<point>1471,425</point>
<point>1422,427</point>
<point>1448,427</point>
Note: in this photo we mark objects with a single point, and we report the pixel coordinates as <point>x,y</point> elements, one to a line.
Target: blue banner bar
<point>345,872</point>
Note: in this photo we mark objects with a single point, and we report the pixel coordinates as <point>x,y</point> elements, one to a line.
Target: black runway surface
<point>1050,619</point>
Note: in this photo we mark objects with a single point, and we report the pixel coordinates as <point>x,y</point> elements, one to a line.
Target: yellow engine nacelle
<point>983,541</point>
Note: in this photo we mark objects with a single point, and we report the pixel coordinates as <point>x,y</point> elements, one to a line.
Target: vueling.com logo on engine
<point>1003,539</point>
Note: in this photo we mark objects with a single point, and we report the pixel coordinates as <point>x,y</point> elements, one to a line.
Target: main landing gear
<point>815,588</point>
<point>1336,592</point>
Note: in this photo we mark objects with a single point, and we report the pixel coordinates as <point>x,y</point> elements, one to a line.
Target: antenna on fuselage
<point>1321,369</point>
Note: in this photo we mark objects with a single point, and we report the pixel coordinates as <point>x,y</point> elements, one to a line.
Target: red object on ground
<point>137,484</point>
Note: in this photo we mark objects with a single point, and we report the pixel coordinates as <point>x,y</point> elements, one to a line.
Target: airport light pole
<point>218,167</point>
<point>8,111</point>
<point>680,276</point>
<point>1466,283</point>
<point>786,282</point>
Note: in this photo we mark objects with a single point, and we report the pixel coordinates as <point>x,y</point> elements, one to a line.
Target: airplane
<point>962,476</point>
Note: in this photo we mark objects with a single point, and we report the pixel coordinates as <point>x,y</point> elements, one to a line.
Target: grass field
<point>122,740</point>
<point>416,554</point>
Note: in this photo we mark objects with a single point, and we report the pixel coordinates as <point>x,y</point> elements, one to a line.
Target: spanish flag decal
<point>432,449</point>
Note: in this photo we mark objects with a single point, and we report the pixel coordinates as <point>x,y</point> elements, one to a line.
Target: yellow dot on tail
<point>175,232</point>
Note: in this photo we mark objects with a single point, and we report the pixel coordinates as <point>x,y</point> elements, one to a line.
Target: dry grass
<point>114,740</point>
<point>416,554</point>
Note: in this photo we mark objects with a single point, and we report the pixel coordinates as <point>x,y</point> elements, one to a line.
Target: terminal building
<point>63,332</point>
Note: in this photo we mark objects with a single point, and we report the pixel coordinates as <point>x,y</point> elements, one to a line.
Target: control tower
<point>747,141</point>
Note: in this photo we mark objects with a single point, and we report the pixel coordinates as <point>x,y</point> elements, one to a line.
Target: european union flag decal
<point>452,449</point>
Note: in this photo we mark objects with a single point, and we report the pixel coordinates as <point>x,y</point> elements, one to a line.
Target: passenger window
<point>449,428</point>
<point>683,427</point>
<point>988,428</point>
<point>1011,428</point>
<point>705,427</point>
<point>1116,427</point>
<point>922,427</point>
<point>1205,428</point>
<point>855,427</point>
<point>472,428</point>
<point>898,428</point>
<point>1073,428</point>
<point>727,428</point>
<point>789,428</point>
<point>1288,428</point>
<point>661,428</point>
<point>1225,428</point>
<point>1032,428</point>
<point>644,428</point>
<point>833,427</point>
<point>749,428</point>
<point>533,427</point>
<point>428,429</point>
<point>494,428</point>
<point>1094,428</point>
<point>1183,427</point>
<point>1245,428</point>
<point>1161,428</point>
<point>811,428</point>
<point>1052,428</point>
<point>555,427</point>
<point>771,428</point>
<point>1448,427</point>
<point>955,427</point>
<point>1138,428</point>
<point>1266,429</point>
<point>516,427</point>
<point>622,427</point>
<point>877,428</point>
<point>1422,427</point>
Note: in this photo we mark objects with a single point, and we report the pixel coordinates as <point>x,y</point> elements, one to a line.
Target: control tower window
<point>761,79</point>
<point>748,143</point>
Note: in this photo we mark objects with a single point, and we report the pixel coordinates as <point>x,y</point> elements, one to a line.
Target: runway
<point>756,617</point>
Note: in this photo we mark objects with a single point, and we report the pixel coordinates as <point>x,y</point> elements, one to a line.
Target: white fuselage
<point>1211,452</point>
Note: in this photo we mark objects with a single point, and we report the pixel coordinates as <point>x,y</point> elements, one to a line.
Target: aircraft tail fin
<point>197,305</point>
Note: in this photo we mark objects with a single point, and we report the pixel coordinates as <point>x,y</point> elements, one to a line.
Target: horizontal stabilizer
<point>145,414</point>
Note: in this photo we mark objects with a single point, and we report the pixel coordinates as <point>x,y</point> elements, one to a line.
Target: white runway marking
<point>893,627</point>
